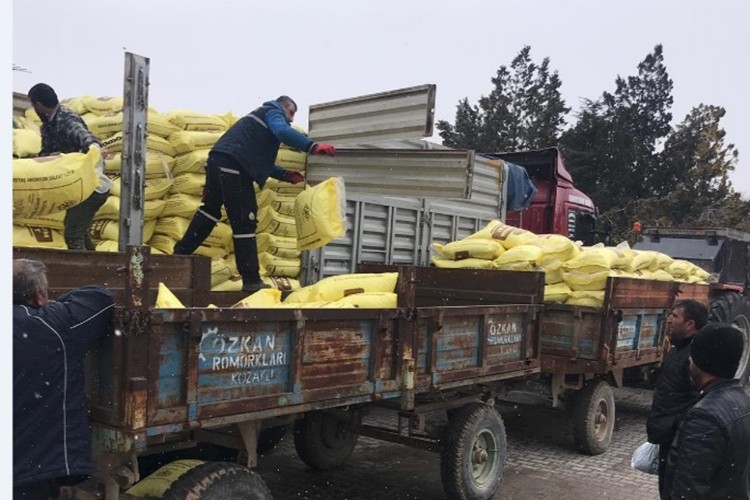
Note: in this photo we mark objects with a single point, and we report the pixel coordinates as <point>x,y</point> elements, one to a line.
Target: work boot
<point>254,286</point>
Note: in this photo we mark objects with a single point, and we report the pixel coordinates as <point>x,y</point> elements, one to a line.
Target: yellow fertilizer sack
<point>586,299</point>
<point>334,288</point>
<point>165,299</point>
<point>107,246</point>
<point>158,165</point>
<point>192,120</point>
<point>661,275</point>
<point>262,299</point>
<point>557,293</point>
<point>26,143</point>
<point>109,229</point>
<point>175,227</point>
<point>156,484</point>
<point>520,254</point>
<point>152,209</point>
<point>220,271</point>
<point>271,265</point>
<point>153,188</point>
<point>182,205</point>
<point>104,126</point>
<point>700,273</point>
<point>233,284</point>
<point>320,214</point>
<point>469,263</point>
<point>279,246</point>
<point>193,162</point>
<point>552,272</point>
<point>301,295</point>
<point>555,247</point>
<point>662,261</point>
<point>507,236</point>
<point>160,125</point>
<point>282,187</point>
<point>38,237</point>
<point>474,248</point>
<point>270,221</point>
<point>53,221</point>
<point>586,281</point>
<point>680,269</point>
<point>291,159</point>
<point>165,245</point>
<point>641,259</point>
<point>76,104</point>
<point>283,283</point>
<point>594,260</point>
<point>153,143</point>
<point>102,105</point>
<point>185,141</point>
<point>189,183</point>
<point>31,116</point>
<point>43,186</point>
<point>375,300</point>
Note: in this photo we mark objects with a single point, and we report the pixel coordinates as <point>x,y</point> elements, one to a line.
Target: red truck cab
<point>558,206</point>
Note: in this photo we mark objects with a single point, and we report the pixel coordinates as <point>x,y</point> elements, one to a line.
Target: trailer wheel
<point>219,481</point>
<point>734,309</point>
<point>594,417</point>
<point>323,440</point>
<point>473,455</point>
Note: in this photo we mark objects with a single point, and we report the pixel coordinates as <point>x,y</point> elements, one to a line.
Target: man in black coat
<point>674,394</point>
<point>51,433</point>
<point>710,456</point>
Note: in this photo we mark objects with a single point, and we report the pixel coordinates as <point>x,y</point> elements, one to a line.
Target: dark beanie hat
<point>717,349</point>
<point>41,92</point>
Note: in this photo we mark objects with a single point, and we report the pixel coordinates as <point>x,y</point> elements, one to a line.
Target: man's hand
<point>323,149</point>
<point>293,177</point>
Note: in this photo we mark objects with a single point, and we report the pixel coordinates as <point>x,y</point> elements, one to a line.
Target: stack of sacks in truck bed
<point>574,274</point>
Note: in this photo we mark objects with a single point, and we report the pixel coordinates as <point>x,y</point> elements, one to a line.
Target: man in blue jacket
<point>246,153</point>
<point>51,433</point>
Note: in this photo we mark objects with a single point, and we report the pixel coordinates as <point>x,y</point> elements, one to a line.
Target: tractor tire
<point>473,454</point>
<point>734,309</point>
<point>219,481</point>
<point>594,417</point>
<point>323,441</point>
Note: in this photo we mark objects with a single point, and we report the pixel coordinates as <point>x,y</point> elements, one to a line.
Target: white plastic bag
<point>646,458</point>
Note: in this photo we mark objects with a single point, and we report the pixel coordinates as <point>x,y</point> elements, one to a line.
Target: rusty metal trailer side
<point>627,331</point>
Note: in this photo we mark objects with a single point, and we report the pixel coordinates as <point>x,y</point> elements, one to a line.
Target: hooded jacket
<point>253,142</point>
<point>51,435</point>
<point>710,456</point>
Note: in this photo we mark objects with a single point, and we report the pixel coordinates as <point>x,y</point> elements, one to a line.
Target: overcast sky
<point>231,55</point>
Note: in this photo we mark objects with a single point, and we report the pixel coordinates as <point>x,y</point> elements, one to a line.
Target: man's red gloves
<point>323,149</point>
<point>293,177</point>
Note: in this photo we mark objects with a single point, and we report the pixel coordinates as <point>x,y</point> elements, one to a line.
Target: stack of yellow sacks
<point>574,274</point>
<point>347,291</point>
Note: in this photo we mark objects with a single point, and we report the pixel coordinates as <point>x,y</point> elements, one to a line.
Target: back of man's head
<point>29,278</point>
<point>285,99</point>
<point>693,310</point>
<point>717,350</point>
<point>44,94</point>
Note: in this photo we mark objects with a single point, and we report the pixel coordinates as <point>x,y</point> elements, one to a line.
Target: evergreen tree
<point>524,110</point>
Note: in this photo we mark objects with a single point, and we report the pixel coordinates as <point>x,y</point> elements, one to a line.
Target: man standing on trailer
<point>246,153</point>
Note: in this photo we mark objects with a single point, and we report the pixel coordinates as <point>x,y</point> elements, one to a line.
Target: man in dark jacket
<point>710,456</point>
<point>674,394</point>
<point>51,434</point>
<point>246,153</point>
<point>63,131</point>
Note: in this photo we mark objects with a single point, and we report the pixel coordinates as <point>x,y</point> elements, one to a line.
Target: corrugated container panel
<point>398,114</point>
<point>397,172</point>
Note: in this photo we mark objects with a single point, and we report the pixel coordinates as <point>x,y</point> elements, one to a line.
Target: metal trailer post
<point>134,123</point>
